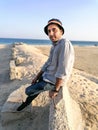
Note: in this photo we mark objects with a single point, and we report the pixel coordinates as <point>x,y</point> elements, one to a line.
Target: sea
<point>44,42</point>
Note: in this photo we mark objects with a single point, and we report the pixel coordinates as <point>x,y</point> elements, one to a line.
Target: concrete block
<point>15,72</point>
<point>67,115</point>
<point>19,60</point>
<point>9,113</point>
<point>12,70</point>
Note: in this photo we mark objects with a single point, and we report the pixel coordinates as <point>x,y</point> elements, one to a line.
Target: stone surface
<point>12,70</point>
<point>15,72</point>
<point>67,115</point>
<point>84,92</point>
<point>19,60</point>
<point>8,112</point>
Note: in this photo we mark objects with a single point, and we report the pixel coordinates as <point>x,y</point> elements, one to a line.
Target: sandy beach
<point>86,60</point>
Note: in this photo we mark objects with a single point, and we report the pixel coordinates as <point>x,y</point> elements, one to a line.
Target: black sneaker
<point>22,106</point>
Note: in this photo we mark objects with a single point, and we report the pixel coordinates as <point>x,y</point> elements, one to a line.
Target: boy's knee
<point>27,91</point>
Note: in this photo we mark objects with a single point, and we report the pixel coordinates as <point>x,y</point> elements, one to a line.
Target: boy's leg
<point>32,92</point>
<point>27,102</point>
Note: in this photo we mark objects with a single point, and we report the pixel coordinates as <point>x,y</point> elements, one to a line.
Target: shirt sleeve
<point>47,63</point>
<point>44,67</point>
<point>65,60</point>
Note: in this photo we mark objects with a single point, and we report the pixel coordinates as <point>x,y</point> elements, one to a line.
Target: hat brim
<point>45,28</point>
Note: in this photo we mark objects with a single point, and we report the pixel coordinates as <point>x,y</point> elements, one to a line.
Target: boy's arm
<point>37,77</point>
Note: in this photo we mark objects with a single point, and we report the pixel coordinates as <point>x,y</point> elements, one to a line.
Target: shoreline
<point>32,44</point>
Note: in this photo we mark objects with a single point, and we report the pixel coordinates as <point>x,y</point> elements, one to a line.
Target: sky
<point>27,18</point>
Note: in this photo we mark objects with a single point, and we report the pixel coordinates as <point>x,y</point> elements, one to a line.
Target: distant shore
<point>45,41</point>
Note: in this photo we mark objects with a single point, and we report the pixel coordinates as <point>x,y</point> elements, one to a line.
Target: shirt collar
<point>56,43</point>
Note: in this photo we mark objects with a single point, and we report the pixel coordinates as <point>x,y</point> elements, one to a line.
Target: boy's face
<point>54,32</point>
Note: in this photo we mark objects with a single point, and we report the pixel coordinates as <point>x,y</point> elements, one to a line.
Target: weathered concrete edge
<point>68,115</point>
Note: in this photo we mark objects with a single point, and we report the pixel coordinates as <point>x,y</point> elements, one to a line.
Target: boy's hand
<point>52,94</point>
<point>34,81</point>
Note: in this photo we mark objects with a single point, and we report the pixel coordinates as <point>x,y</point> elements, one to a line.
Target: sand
<point>86,60</point>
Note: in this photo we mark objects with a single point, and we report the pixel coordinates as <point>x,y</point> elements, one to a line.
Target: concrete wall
<point>67,115</point>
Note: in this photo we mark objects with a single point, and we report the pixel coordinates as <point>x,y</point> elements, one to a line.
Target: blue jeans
<point>38,88</point>
<point>35,89</point>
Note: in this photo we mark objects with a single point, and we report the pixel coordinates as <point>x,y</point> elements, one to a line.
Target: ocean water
<point>44,42</point>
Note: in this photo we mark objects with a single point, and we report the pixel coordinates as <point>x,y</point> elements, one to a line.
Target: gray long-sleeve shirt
<point>60,62</point>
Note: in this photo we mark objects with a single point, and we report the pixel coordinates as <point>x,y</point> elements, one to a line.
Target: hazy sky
<point>27,18</point>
